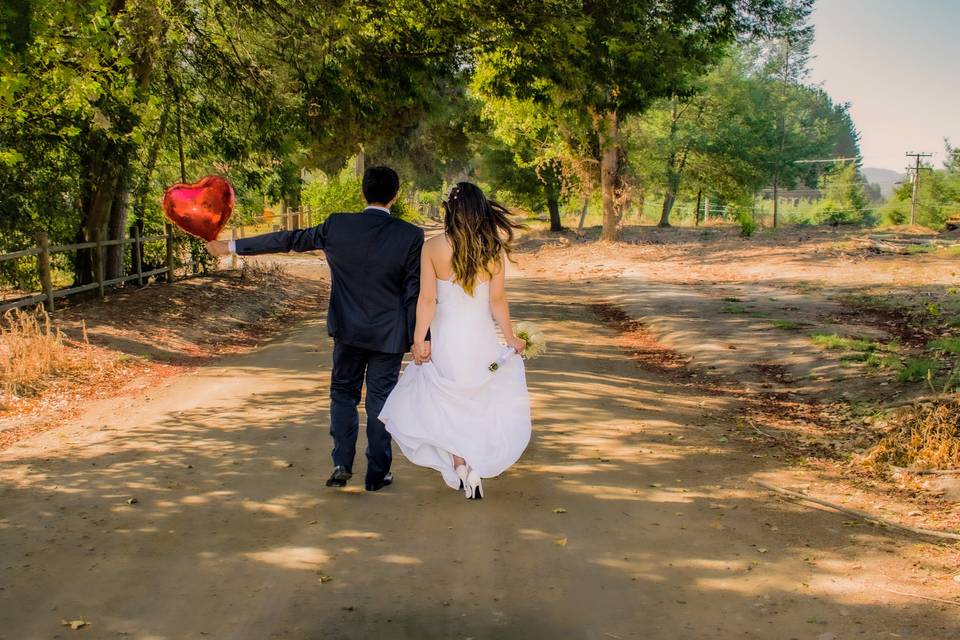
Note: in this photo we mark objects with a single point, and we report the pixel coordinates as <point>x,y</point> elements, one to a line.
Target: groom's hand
<point>218,248</point>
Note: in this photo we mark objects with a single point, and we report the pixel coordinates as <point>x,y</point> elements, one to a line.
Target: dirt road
<point>200,512</point>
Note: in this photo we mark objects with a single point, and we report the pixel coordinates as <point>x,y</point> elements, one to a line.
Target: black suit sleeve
<point>301,240</point>
<point>411,284</point>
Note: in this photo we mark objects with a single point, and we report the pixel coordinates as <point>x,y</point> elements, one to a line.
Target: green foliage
<point>736,309</point>
<point>748,224</point>
<point>786,325</point>
<point>844,196</point>
<point>834,341</point>
<point>883,361</point>
<point>341,193</point>
<point>96,98</point>
<point>610,59</point>
<point>401,209</point>
<point>945,345</point>
<point>918,370</point>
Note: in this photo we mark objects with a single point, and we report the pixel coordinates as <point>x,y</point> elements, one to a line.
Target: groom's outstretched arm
<point>310,239</point>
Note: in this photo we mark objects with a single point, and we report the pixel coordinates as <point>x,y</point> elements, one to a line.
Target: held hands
<point>421,351</point>
<point>518,344</point>
<point>218,248</point>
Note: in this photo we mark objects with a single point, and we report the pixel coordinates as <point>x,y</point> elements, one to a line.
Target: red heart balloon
<point>201,209</point>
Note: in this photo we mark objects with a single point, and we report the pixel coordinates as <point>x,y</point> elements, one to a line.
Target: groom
<point>374,261</point>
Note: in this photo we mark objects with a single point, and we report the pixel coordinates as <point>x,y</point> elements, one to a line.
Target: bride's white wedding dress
<point>455,404</point>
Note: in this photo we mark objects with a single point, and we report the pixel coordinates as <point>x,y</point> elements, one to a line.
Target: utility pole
<point>916,182</point>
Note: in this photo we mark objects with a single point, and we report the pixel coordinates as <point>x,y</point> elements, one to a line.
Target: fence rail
<point>285,220</point>
<point>43,251</point>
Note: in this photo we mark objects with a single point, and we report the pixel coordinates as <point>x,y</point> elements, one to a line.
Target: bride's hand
<point>518,344</point>
<point>421,351</point>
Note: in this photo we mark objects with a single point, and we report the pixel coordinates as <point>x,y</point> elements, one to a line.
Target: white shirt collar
<point>378,208</point>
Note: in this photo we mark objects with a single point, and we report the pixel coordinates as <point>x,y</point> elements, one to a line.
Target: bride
<point>449,411</point>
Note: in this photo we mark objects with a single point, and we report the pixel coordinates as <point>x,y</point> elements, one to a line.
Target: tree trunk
<point>100,171</point>
<point>776,199</point>
<point>674,167</point>
<point>553,205</point>
<point>117,230</point>
<point>696,212</point>
<point>583,213</point>
<point>609,171</point>
<point>668,199</point>
<point>360,164</point>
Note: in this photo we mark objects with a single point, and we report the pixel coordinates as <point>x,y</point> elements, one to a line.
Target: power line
<point>825,160</point>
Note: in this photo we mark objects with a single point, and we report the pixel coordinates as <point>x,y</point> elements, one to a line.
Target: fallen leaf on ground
<point>322,579</point>
<point>560,542</point>
<point>75,624</point>
<point>559,510</point>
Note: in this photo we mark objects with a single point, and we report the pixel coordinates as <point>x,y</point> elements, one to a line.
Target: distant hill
<point>883,177</point>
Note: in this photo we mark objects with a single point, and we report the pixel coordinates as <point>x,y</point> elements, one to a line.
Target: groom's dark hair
<point>380,185</point>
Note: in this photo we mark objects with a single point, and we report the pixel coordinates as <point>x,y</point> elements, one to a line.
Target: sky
<point>898,65</point>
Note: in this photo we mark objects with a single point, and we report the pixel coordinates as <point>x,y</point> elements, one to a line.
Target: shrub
<point>748,225</point>
<point>925,435</point>
<point>333,195</point>
<point>344,193</point>
<point>845,197</point>
<point>31,353</point>
<point>895,212</point>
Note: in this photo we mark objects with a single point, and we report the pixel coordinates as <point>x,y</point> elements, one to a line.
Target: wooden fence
<point>287,220</point>
<point>43,251</point>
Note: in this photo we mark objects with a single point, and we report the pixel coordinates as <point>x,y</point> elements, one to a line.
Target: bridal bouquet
<point>536,345</point>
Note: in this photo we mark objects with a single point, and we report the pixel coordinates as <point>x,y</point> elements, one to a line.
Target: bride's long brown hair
<point>480,232</point>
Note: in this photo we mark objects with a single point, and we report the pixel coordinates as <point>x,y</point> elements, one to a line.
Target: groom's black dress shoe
<point>339,477</point>
<point>376,485</point>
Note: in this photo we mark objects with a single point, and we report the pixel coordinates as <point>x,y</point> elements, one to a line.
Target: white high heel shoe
<point>462,473</point>
<point>474,487</point>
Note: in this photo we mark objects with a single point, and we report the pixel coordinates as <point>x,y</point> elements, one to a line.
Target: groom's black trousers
<point>350,365</point>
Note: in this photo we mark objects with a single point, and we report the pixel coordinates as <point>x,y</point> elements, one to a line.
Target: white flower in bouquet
<point>536,341</point>
<point>536,344</point>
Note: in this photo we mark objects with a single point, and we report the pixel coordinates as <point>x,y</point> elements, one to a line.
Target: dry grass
<point>32,354</point>
<point>925,435</point>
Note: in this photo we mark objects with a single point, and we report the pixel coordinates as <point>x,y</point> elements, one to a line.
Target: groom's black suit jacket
<point>374,259</point>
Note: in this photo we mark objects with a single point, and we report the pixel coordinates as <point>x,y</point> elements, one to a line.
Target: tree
<point>726,138</point>
<point>788,57</point>
<point>123,96</point>
<point>534,150</point>
<point>613,58</point>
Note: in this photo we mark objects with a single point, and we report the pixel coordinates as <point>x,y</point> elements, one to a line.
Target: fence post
<point>233,256</point>
<point>98,262</point>
<point>43,263</point>
<point>137,256</point>
<point>169,231</point>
